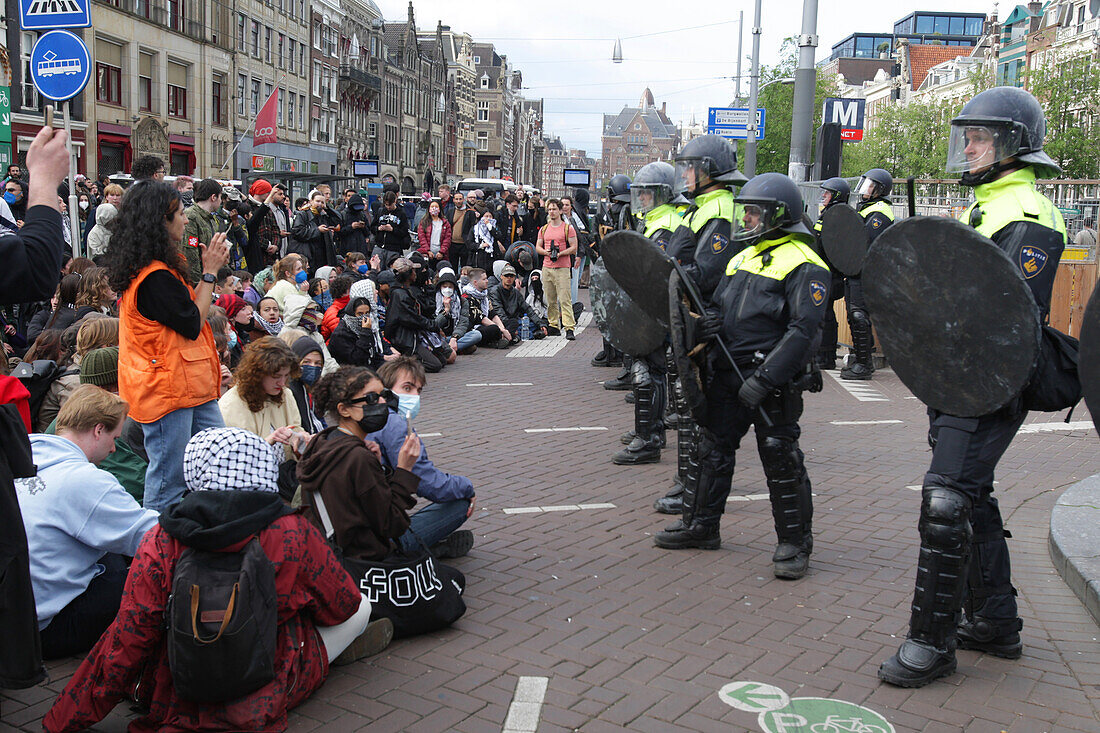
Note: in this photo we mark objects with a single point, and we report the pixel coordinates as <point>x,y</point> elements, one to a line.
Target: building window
<point>254,107</point>
<point>282,49</point>
<point>391,143</point>
<point>242,84</point>
<point>279,114</point>
<point>108,83</point>
<point>290,55</point>
<point>485,82</point>
<point>482,140</point>
<point>255,39</point>
<point>329,41</point>
<point>290,110</point>
<point>482,111</point>
<point>145,81</point>
<point>317,35</point>
<point>302,112</point>
<point>267,44</point>
<point>242,33</point>
<point>217,99</point>
<point>316,78</point>
<point>301,58</point>
<point>175,15</point>
<point>177,90</point>
<point>477,60</point>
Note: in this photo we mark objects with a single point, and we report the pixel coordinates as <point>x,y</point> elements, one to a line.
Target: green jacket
<point>200,229</point>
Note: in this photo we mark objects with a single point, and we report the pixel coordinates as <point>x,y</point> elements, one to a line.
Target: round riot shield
<point>957,322</point>
<point>621,321</point>
<point>687,354</point>
<point>844,239</point>
<point>1088,362</point>
<point>641,269</point>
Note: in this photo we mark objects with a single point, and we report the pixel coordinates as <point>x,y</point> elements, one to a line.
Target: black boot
<point>929,651</point>
<point>861,363</point>
<point>704,501</point>
<point>600,359</point>
<point>999,637</point>
<point>792,510</point>
<point>991,624</point>
<point>687,468</point>
<point>621,383</point>
<point>673,501</point>
<point>648,430</point>
<point>614,357</point>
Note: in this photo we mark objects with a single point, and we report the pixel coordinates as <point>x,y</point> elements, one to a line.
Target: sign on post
<point>5,115</point>
<point>37,15</point>
<point>848,113</point>
<point>60,65</point>
<point>733,122</point>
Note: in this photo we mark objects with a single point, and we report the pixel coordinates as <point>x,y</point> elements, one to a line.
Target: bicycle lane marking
<point>779,713</point>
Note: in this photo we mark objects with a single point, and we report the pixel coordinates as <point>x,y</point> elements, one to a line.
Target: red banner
<point>265,121</point>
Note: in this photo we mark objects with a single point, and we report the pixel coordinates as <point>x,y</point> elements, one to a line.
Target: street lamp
<point>617,54</point>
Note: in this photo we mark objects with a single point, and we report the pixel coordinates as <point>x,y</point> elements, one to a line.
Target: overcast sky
<point>565,57</point>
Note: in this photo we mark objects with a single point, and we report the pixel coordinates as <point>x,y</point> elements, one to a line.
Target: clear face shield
<point>753,219</point>
<point>973,148</point>
<point>645,198</point>
<point>866,188</point>
<point>693,174</point>
<point>826,197</point>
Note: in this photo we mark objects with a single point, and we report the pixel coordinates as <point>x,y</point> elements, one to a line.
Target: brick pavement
<point>636,638</point>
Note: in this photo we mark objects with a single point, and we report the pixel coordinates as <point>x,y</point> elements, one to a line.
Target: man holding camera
<point>556,241</point>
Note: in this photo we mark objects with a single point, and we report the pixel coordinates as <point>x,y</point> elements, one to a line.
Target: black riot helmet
<point>654,185</point>
<point>839,189</point>
<point>618,188</point>
<point>875,184</point>
<point>999,129</point>
<point>711,159</point>
<point>769,206</point>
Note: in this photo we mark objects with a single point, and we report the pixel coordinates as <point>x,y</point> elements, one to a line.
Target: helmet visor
<point>974,147</point>
<point>753,219</point>
<point>693,174</point>
<point>645,198</point>
<point>867,187</point>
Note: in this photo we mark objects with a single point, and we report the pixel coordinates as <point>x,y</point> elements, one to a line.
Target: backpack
<point>37,376</point>
<point>1055,384</point>
<point>222,619</point>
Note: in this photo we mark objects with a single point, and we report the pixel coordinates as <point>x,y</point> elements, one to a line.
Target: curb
<point>1074,541</point>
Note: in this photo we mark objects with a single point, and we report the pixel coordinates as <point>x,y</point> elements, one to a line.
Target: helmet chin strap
<point>991,173</point>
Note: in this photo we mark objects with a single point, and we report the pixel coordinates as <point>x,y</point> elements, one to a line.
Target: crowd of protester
<point>216,361</point>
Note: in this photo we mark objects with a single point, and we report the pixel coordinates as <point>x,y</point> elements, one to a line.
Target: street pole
<point>74,222</point>
<point>754,90</point>
<point>740,41</point>
<point>805,85</point>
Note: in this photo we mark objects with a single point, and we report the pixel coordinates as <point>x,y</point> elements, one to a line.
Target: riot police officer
<point>873,190</point>
<point>997,143</point>
<point>614,216</point>
<point>834,192</point>
<point>767,311</point>
<point>651,194</point>
<point>706,169</point>
<point>618,199</point>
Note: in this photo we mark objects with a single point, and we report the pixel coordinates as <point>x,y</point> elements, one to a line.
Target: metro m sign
<point>848,113</point>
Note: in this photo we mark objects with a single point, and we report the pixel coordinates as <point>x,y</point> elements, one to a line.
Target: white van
<point>488,185</point>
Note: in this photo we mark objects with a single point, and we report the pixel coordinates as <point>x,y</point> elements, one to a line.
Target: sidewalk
<point>630,637</point>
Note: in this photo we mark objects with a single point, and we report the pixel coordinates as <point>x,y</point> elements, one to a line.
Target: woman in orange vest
<point>168,368</point>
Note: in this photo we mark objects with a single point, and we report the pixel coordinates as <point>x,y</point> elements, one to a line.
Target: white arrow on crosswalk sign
<point>753,697</point>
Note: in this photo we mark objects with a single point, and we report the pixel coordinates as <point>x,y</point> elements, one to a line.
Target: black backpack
<point>222,621</point>
<point>1055,384</point>
<point>37,376</point>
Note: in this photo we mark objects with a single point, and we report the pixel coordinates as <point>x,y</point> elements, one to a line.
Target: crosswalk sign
<point>48,14</point>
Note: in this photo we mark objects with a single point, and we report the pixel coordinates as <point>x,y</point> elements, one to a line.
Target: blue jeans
<point>165,441</point>
<point>470,338</point>
<point>433,523</point>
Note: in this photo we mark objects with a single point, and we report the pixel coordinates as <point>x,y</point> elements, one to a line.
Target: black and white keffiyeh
<point>231,459</point>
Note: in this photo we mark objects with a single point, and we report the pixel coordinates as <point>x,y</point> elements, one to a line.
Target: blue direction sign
<point>47,14</point>
<point>733,122</point>
<point>60,65</point>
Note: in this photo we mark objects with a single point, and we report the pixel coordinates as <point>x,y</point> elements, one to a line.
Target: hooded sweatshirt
<point>74,514</point>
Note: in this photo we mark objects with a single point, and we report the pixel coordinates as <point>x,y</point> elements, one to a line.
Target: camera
<point>554,252</point>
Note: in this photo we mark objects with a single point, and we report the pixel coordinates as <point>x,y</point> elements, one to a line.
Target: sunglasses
<point>372,398</point>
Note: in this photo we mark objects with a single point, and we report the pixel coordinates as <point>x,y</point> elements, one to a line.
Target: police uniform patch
<point>876,223</point>
<point>718,243</point>
<point>818,291</point>
<point>1032,261</point>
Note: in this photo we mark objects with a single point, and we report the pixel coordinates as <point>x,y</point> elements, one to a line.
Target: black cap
<point>387,277</point>
<point>355,201</point>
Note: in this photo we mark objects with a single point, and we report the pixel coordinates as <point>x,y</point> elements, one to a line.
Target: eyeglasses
<point>508,275</point>
<point>372,398</point>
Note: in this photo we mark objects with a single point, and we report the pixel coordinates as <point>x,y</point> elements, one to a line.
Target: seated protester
<point>322,618</point>
<point>319,291</point>
<point>480,314</point>
<point>437,525</point>
<point>229,352</point>
<point>81,524</point>
<point>261,283</point>
<point>385,281</point>
<point>366,288</point>
<point>97,332</point>
<point>311,360</point>
<point>355,342</point>
<point>290,275</point>
<point>407,329</point>
<point>366,507</point>
<point>129,461</point>
<point>260,401</point>
<point>95,294</point>
<point>267,319</point>
<point>536,298</point>
<point>508,302</point>
<point>338,288</point>
<point>239,314</point>
<point>451,317</point>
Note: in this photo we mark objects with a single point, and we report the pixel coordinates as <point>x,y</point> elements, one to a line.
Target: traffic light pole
<point>754,93</point>
<point>805,85</point>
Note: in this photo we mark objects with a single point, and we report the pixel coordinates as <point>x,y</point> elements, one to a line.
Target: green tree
<point>1069,90</point>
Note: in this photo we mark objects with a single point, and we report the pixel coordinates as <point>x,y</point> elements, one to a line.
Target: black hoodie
<point>214,520</point>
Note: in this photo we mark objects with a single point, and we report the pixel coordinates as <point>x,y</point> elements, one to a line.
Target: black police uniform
<point>830,327</point>
<point>877,216</point>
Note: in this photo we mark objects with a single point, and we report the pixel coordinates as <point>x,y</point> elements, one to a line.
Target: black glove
<point>753,391</point>
<point>809,382</point>
<point>709,327</point>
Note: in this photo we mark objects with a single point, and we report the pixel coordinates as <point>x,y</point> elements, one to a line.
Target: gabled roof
<point>923,57</point>
<point>615,125</point>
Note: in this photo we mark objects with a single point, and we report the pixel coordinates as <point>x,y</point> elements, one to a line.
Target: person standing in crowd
<point>314,233</point>
<point>556,243</point>
<point>269,226</point>
<point>446,201</point>
<point>148,167</point>
<point>169,370</point>
<point>355,225</point>
<point>1087,236</point>
<point>509,222</point>
<point>390,228</point>
<point>112,194</point>
<point>201,224</point>
<point>100,236</point>
<point>577,216</point>
<point>462,219</point>
<point>434,235</point>
<point>534,220</point>
<point>486,242</point>
<point>185,186</point>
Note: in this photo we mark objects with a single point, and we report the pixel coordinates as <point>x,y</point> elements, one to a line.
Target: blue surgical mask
<point>363,269</point>
<point>301,277</point>
<point>408,405</point>
<point>10,197</point>
<point>232,338</point>
<point>310,374</point>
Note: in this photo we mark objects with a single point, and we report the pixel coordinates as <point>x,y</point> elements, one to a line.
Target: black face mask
<point>374,417</point>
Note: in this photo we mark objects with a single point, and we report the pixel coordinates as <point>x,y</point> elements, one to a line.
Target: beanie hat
<point>100,367</point>
<point>260,189</point>
<point>305,345</point>
<point>233,304</point>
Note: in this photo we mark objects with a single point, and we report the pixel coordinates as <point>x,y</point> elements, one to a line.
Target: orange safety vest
<point>160,370</point>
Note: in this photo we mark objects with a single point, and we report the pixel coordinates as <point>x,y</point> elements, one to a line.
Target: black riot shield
<point>844,239</point>
<point>621,321</point>
<point>689,356</point>
<point>641,268</point>
<point>956,320</point>
<point>1088,363</point>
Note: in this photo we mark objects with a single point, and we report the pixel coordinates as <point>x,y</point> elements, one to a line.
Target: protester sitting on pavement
<point>311,361</point>
<point>64,311</point>
<point>318,290</point>
<point>386,280</point>
<point>407,329</point>
<point>322,617</point>
<point>260,401</point>
<point>450,315</point>
<point>535,296</point>
<point>338,288</point>
<point>367,508</point>
<point>436,525</point>
<point>239,314</point>
<point>289,276</point>
<point>95,294</point>
<point>268,318</point>
<point>81,524</point>
<point>508,303</point>
<point>479,315</point>
<point>93,334</point>
<point>355,341</point>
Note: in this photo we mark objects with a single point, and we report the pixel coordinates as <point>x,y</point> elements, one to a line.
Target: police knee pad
<point>945,519</point>
<point>639,373</point>
<point>780,457</point>
<point>859,319</point>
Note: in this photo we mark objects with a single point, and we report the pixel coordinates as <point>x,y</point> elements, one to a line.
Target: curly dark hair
<point>265,357</point>
<point>93,288</point>
<point>139,234</point>
<point>145,167</point>
<point>340,386</point>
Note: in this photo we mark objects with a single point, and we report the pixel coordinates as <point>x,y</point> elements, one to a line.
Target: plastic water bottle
<point>525,328</point>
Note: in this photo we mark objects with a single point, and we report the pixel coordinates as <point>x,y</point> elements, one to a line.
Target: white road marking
<point>561,430</point>
<point>501,384</point>
<point>551,344</point>
<point>1055,427</point>
<point>430,435</point>
<point>526,707</point>
<point>860,390</point>
<point>866,422</point>
<point>748,497</point>
<point>558,508</point>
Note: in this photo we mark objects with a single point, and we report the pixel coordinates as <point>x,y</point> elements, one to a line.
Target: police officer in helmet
<point>873,191</point>
<point>767,310</point>
<point>834,192</point>
<point>610,217</point>
<point>997,144</point>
